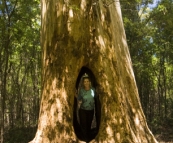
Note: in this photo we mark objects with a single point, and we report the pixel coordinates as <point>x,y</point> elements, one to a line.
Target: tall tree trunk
<point>78,34</point>
<point>5,66</point>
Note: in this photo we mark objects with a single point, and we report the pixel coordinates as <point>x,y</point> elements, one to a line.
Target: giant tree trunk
<point>82,33</point>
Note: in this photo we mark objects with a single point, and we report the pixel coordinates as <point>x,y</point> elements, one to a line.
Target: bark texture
<point>84,33</point>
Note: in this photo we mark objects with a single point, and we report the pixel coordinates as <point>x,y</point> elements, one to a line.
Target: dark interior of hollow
<point>76,125</point>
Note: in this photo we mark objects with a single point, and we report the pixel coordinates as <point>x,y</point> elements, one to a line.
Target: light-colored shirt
<point>87,98</point>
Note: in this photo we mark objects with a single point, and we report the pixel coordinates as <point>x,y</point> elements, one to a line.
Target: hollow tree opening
<point>96,120</point>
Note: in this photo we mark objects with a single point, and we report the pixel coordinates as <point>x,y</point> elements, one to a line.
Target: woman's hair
<point>83,78</point>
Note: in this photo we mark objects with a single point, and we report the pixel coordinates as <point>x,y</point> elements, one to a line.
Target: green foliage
<point>149,35</point>
<point>20,62</point>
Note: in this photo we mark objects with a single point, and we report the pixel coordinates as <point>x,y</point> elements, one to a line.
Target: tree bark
<point>78,34</point>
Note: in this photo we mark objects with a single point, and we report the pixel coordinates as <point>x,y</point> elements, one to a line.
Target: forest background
<point>149,31</point>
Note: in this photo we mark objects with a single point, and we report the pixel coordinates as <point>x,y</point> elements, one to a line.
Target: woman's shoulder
<point>81,90</point>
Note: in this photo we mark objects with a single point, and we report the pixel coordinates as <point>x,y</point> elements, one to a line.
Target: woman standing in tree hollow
<point>86,111</point>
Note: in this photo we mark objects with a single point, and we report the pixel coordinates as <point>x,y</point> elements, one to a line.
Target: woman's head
<point>86,81</point>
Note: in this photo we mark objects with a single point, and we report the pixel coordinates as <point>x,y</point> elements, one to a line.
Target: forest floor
<point>164,134</point>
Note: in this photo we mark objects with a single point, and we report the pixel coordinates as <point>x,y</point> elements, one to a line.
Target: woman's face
<point>86,83</point>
